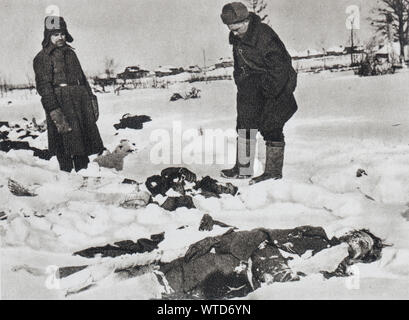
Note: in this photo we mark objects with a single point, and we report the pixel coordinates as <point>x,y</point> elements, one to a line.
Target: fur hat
<point>54,24</point>
<point>234,12</point>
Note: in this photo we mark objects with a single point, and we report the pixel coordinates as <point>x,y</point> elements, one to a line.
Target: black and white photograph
<point>207,150</point>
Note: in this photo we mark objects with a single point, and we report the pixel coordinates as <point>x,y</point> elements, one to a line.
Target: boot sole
<point>255,180</point>
<point>235,177</point>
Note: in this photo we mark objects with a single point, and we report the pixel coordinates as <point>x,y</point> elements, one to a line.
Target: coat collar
<point>250,36</point>
<point>50,48</point>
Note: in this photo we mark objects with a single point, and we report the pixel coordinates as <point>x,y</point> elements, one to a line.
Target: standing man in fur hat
<point>71,107</point>
<point>265,82</point>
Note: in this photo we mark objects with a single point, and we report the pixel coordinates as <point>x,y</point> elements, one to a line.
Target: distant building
<point>134,72</point>
<point>335,51</point>
<point>168,71</point>
<point>337,57</point>
<point>193,69</point>
<point>355,49</point>
<point>103,80</point>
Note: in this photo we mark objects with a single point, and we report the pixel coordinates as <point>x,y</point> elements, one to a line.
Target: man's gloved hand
<point>95,107</point>
<point>60,122</point>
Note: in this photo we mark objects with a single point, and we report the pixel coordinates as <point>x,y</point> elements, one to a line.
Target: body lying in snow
<point>185,183</point>
<point>238,262</point>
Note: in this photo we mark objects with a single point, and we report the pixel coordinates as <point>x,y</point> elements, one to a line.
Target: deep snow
<point>344,123</point>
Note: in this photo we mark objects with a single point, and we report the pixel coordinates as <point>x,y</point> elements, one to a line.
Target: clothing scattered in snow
<point>132,122</point>
<point>124,247</point>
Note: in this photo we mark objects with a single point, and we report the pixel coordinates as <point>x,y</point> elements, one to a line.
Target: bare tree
<point>4,86</point>
<point>109,67</point>
<point>30,82</point>
<point>391,19</point>
<point>1,87</point>
<point>259,7</point>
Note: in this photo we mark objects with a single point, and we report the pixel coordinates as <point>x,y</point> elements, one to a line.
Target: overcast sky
<point>161,32</point>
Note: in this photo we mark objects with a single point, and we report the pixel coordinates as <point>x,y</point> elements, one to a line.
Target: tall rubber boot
<point>245,153</point>
<point>274,162</point>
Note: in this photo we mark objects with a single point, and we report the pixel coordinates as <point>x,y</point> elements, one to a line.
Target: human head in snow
<point>363,246</point>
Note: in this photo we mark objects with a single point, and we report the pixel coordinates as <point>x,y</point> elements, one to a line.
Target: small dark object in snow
<point>4,135</point>
<point>172,203</point>
<point>4,123</point>
<point>8,145</point>
<point>176,96</point>
<point>3,215</point>
<point>181,174</point>
<point>170,178</point>
<point>28,134</point>
<point>129,181</point>
<point>38,215</point>
<point>157,185</point>
<point>42,154</point>
<point>9,102</point>
<point>360,173</point>
<point>19,190</point>
<point>132,122</point>
<point>175,178</point>
<point>207,223</point>
<point>64,272</point>
<point>212,188</point>
<point>406,214</point>
<point>192,94</point>
<point>124,247</point>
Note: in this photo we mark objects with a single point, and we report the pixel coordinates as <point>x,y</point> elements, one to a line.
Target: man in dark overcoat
<point>265,82</point>
<point>70,106</point>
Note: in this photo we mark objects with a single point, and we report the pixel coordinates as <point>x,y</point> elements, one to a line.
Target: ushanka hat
<point>54,24</point>
<point>234,12</point>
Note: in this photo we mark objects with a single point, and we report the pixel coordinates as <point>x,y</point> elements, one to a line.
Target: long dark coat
<point>265,78</point>
<point>54,66</point>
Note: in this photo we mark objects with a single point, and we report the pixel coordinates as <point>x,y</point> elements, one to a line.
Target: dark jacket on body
<point>54,66</point>
<point>265,78</point>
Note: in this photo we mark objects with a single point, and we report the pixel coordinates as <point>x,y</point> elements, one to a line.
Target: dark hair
<point>375,253</point>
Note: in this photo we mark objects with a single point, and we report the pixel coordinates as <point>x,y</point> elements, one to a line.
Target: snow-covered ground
<point>344,123</point>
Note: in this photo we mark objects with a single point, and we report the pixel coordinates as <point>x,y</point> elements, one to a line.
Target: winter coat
<point>54,66</point>
<point>236,263</point>
<point>264,77</point>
